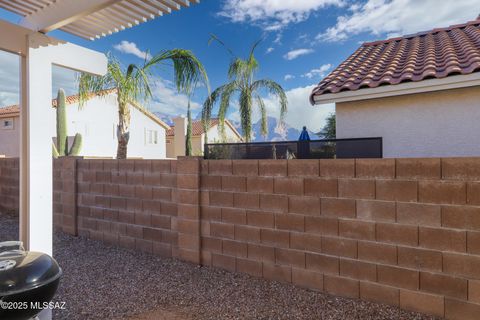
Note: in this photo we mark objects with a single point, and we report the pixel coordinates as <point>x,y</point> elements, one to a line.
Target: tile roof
<point>10,111</point>
<point>14,110</point>
<point>434,54</point>
<point>197,127</point>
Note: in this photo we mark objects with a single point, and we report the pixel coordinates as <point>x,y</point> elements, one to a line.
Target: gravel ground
<point>102,282</point>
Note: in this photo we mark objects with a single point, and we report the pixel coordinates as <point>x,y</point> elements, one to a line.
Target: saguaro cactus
<point>62,149</point>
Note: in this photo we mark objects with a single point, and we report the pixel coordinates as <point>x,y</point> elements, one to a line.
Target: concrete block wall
<point>9,185</point>
<point>405,232</point>
<point>65,195</point>
<point>128,203</point>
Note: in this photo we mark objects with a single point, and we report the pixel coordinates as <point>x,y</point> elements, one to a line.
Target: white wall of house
<point>10,136</point>
<point>97,122</point>
<point>213,135</point>
<point>436,124</point>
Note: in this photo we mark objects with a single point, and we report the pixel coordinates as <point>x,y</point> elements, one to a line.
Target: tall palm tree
<point>133,84</point>
<point>241,75</point>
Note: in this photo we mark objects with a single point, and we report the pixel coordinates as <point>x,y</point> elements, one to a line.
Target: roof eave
<point>430,85</point>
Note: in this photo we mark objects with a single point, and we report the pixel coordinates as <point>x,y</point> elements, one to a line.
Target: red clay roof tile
<point>438,53</point>
<point>9,111</point>
<point>197,127</point>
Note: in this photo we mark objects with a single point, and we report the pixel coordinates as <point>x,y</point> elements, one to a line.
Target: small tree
<point>329,131</point>
<point>188,141</point>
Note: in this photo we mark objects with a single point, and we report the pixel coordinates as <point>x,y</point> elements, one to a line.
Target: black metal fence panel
<point>313,149</point>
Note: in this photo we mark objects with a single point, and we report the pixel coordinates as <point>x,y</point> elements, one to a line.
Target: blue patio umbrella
<point>304,146</point>
<point>304,136</point>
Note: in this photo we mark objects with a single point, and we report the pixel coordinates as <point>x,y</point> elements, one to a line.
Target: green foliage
<point>133,84</point>
<point>329,131</point>
<point>241,74</point>
<point>61,149</point>
<point>188,141</point>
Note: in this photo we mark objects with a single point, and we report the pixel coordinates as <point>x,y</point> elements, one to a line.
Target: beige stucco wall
<point>10,138</point>
<point>198,141</point>
<point>436,124</point>
<point>170,149</point>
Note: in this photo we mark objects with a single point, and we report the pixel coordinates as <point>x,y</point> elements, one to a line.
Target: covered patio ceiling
<point>89,19</point>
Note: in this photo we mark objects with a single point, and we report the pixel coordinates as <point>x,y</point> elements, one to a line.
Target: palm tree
<point>133,84</point>
<point>241,75</point>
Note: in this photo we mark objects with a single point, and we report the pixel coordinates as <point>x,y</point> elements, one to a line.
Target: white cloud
<point>320,72</point>
<point>278,38</point>
<point>9,79</point>
<point>131,48</point>
<point>400,17</point>
<point>300,111</point>
<point>288,77</point>
<point>273,27</point>
<point>269,50</point>
<point>273,14</point>
<point>294,54</point>
<point>167,100</point>
<point>64,78</point>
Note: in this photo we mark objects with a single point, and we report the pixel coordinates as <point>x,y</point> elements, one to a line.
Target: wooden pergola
<point>89,19</point>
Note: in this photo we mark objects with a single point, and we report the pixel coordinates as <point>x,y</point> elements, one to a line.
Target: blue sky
<point>303,40</point>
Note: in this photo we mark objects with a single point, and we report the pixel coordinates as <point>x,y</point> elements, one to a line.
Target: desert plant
<point>241,75</point>
<point>329,130</point>
<point>62,149</point>
<point>133,84</point>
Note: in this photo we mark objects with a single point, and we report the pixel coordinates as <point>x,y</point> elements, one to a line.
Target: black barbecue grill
<point>28,281</point>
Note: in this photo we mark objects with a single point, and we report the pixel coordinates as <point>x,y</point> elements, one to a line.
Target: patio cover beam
<point>12,38</point>
<point>61,13</point>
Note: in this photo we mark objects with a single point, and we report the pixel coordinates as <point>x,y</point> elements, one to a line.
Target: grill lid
<point>22,270</point>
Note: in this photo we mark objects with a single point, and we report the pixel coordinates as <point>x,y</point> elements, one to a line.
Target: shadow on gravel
<point>102,282</point>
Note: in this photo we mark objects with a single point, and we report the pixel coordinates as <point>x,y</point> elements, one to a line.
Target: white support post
<point>36,217</point>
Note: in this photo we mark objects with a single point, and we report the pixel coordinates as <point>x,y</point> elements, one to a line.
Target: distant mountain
<point>275,131</point>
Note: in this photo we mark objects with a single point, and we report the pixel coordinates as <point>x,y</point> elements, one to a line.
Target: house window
<point>151,137</point>
<point>7,124</point>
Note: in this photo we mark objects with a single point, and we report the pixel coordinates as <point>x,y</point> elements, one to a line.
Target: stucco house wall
<point>435,124</point>
<point>176,147</point>
<point>213,135</point>
<point>97,121</point>
<point>9,136</point>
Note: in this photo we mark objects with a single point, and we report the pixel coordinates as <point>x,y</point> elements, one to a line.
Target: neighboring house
<point>176,136</point>
<point>97,121</point>
<point>421,93</point>
<point>9,131</point>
